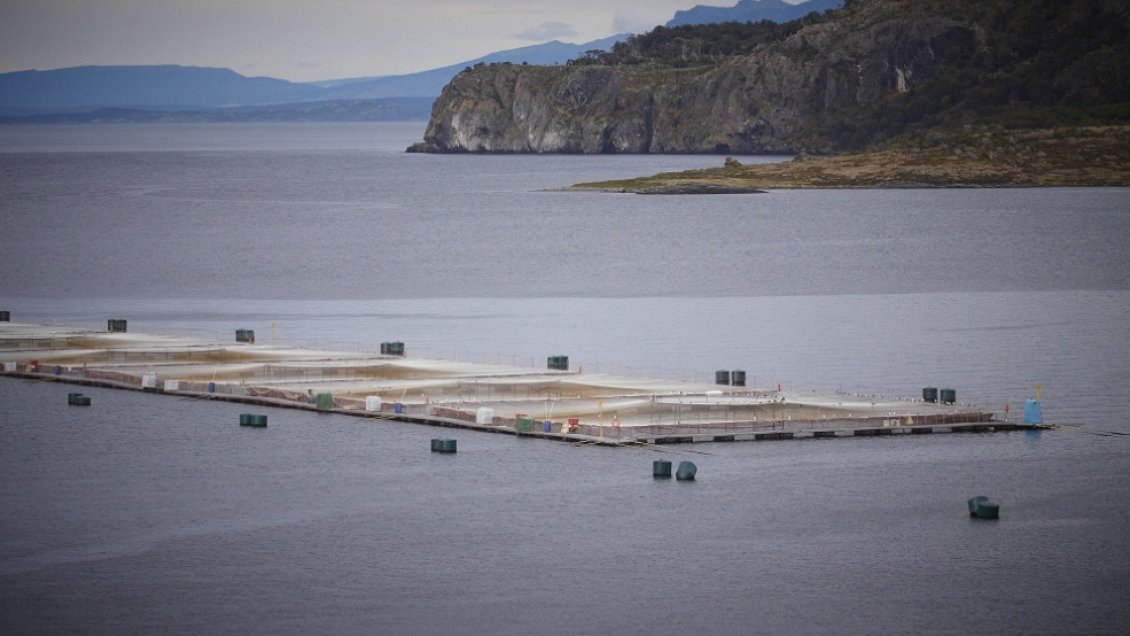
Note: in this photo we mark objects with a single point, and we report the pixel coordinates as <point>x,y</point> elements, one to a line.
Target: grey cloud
<point>547,31</point>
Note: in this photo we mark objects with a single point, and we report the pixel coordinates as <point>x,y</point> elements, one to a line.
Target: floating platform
<point>549,403</point>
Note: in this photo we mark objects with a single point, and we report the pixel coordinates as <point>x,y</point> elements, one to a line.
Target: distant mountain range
<point>186,93</point>
<point>752,11</point>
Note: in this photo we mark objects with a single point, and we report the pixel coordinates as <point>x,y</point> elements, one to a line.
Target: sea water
<point>151,513</point>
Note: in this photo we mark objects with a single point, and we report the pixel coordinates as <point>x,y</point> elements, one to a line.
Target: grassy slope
<point>983,157</point>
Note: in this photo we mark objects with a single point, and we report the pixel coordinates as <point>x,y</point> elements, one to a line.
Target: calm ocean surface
<point>148,513</point>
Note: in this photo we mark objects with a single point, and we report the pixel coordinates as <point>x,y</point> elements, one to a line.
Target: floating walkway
<point>553,403</point>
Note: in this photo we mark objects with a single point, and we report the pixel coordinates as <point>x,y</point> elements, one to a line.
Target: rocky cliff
<point>838,82</point>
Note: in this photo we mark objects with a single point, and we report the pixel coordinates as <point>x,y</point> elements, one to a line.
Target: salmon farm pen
<point>554,402</point>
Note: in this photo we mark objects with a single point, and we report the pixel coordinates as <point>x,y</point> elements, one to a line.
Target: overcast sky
<point>304,40</point>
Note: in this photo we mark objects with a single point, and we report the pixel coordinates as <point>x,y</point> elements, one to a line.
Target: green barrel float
<point>737,377</point>
<point>444,445</point>
<point>930,394</point>
<point>981,508</point>
<point>324,401</point>
<point>661,469</point>
<point>525,424</point>
<point>252,419</point>
<point>948,396</point>
<point>392,348</point>
<point>686,471</point>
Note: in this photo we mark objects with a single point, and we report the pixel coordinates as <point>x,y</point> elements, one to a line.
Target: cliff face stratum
<point>769,101</point>
<point>828,83</point>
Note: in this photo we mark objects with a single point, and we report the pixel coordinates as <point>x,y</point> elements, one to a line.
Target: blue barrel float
<point>1032,413</point>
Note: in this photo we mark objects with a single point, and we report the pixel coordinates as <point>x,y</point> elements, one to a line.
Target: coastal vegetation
<point>988,155</point>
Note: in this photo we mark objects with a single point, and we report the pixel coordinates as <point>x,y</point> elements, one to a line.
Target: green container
<point>392,348</point>
<point>252,419</point>
<point>686,471</point>
<point>116,325</point>
<point>972,503</point>
<point>437,443</point>
<point>948,396</point>
<point>661,468</point>
<point>988,510</point>
<point>72,398</point>
<point>443,445</point>
<point>324,401</point>
<point>81,400</point>
<point>722,377</point>
<point>557,363</point>
<point>930,394</point>
<point>737,377</point>
<point>5,316</point>
<point>525,424</point>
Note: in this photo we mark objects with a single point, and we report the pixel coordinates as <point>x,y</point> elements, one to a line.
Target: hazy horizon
<point>302,41</point>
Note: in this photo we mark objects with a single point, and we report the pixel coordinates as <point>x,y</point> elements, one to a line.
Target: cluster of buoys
<point>78,399</point>
<point>932,395</point>
<point>392,348</point>
<point>661,469</point>
<point>443,445</point>
<point>252,419</point>
<point>730,378</point>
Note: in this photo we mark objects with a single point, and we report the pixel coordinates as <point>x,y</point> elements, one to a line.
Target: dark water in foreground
<point>154,514</point>
<point>147,513</point>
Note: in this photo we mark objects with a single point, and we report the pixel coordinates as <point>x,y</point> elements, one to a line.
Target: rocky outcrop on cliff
<point>839,82</point>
